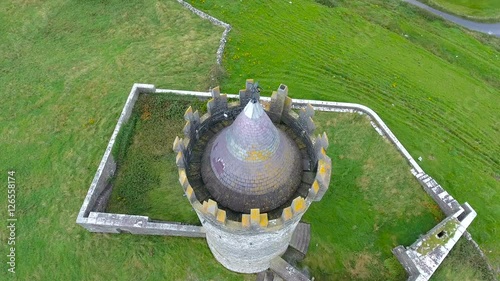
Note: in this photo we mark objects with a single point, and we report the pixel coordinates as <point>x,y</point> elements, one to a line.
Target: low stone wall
<point>107,166</point>
<point>446,202</point>
<point>423,257</point>
<point>119,223</point>
<point>95,221</point>
<point>90,216</point>
<point>203,15</point>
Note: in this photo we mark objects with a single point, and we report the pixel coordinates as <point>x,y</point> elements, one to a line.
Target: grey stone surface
<point>119,223</point>
<point>251,164</point>
<point>267,275</point>
<point>301,238</point>
<point>305,119</point>
<point>423,257</point>
<point>218,103</point>
<point>247,250</point>
<point>407,262</point>
<point>277,103</point>
<point>287,271</point>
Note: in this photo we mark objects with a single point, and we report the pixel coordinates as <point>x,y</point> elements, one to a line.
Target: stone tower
<point>250,171</point>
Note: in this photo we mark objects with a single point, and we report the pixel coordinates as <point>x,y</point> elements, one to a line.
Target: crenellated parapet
<point>255,220</point>
<point>278,100</point>
<point>218,102</point>
<point>251,91</point>
<point>305,119</point>
<point>219,115</point>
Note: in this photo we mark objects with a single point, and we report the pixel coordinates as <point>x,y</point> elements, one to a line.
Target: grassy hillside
<point>436,86</point>
<point>480,10</point>
<point>66,68</point>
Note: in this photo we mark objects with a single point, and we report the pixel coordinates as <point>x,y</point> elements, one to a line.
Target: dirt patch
<point>361,265</point>
<point>364,182</point>
<point>369,165</point>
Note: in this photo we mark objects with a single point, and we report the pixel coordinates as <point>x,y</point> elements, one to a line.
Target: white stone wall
<point>247,251</point>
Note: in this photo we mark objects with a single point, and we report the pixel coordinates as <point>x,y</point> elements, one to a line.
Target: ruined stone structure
<point>248,179</point>
<point>282,226</point>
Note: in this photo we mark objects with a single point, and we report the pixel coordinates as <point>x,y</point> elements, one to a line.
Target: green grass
<point>478,10</point>
<point>373,205</point>
<point>461,265</point>
<point>147,179</point>
<point>437,88</point>
<point>66,68</point>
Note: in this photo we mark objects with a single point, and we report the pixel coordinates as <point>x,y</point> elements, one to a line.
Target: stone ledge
<point>121,223</point>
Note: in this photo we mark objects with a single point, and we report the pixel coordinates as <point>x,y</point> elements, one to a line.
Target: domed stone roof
<point>251,164</point>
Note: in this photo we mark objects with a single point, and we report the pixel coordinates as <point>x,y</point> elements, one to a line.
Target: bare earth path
<point>488,28</point>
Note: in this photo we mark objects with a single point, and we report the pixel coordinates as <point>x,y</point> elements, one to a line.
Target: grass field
<point>374,203</point>
<point>67,66</point>
<point>436,87</point>
<point>479,10</point>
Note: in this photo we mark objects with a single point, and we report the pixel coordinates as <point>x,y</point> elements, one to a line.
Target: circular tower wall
<point>247,239</point>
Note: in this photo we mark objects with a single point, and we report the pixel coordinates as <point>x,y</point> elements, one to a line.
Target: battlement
<point>255,220</point>
<point>219,115</point>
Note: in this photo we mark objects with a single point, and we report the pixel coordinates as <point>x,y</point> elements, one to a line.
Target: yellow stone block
<point>187,128</point>
<point>322,167</point>
<point>255,216</point>
<point>182,172</point>
<point>245,220</point>
<point>298,205</point>
<point>189,192</point>
<point>183,180</point>
<point>188,112</point>
<point>176,143</point>
<point>323,153</point>
<point>221,216</point>
<point>315,187</point>
<point>264,221</point>
<point>212,207</point>
<point>287,214</point>
<point>179,159</point>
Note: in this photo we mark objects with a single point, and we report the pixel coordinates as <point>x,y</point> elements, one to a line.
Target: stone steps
<point>286,271</point>
<point>301,238</point>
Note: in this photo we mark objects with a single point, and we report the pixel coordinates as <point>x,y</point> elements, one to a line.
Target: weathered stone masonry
<point>92,218</point>
<point>248,244</point>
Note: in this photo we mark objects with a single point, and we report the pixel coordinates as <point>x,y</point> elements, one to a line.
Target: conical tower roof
<point>251,164</point>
